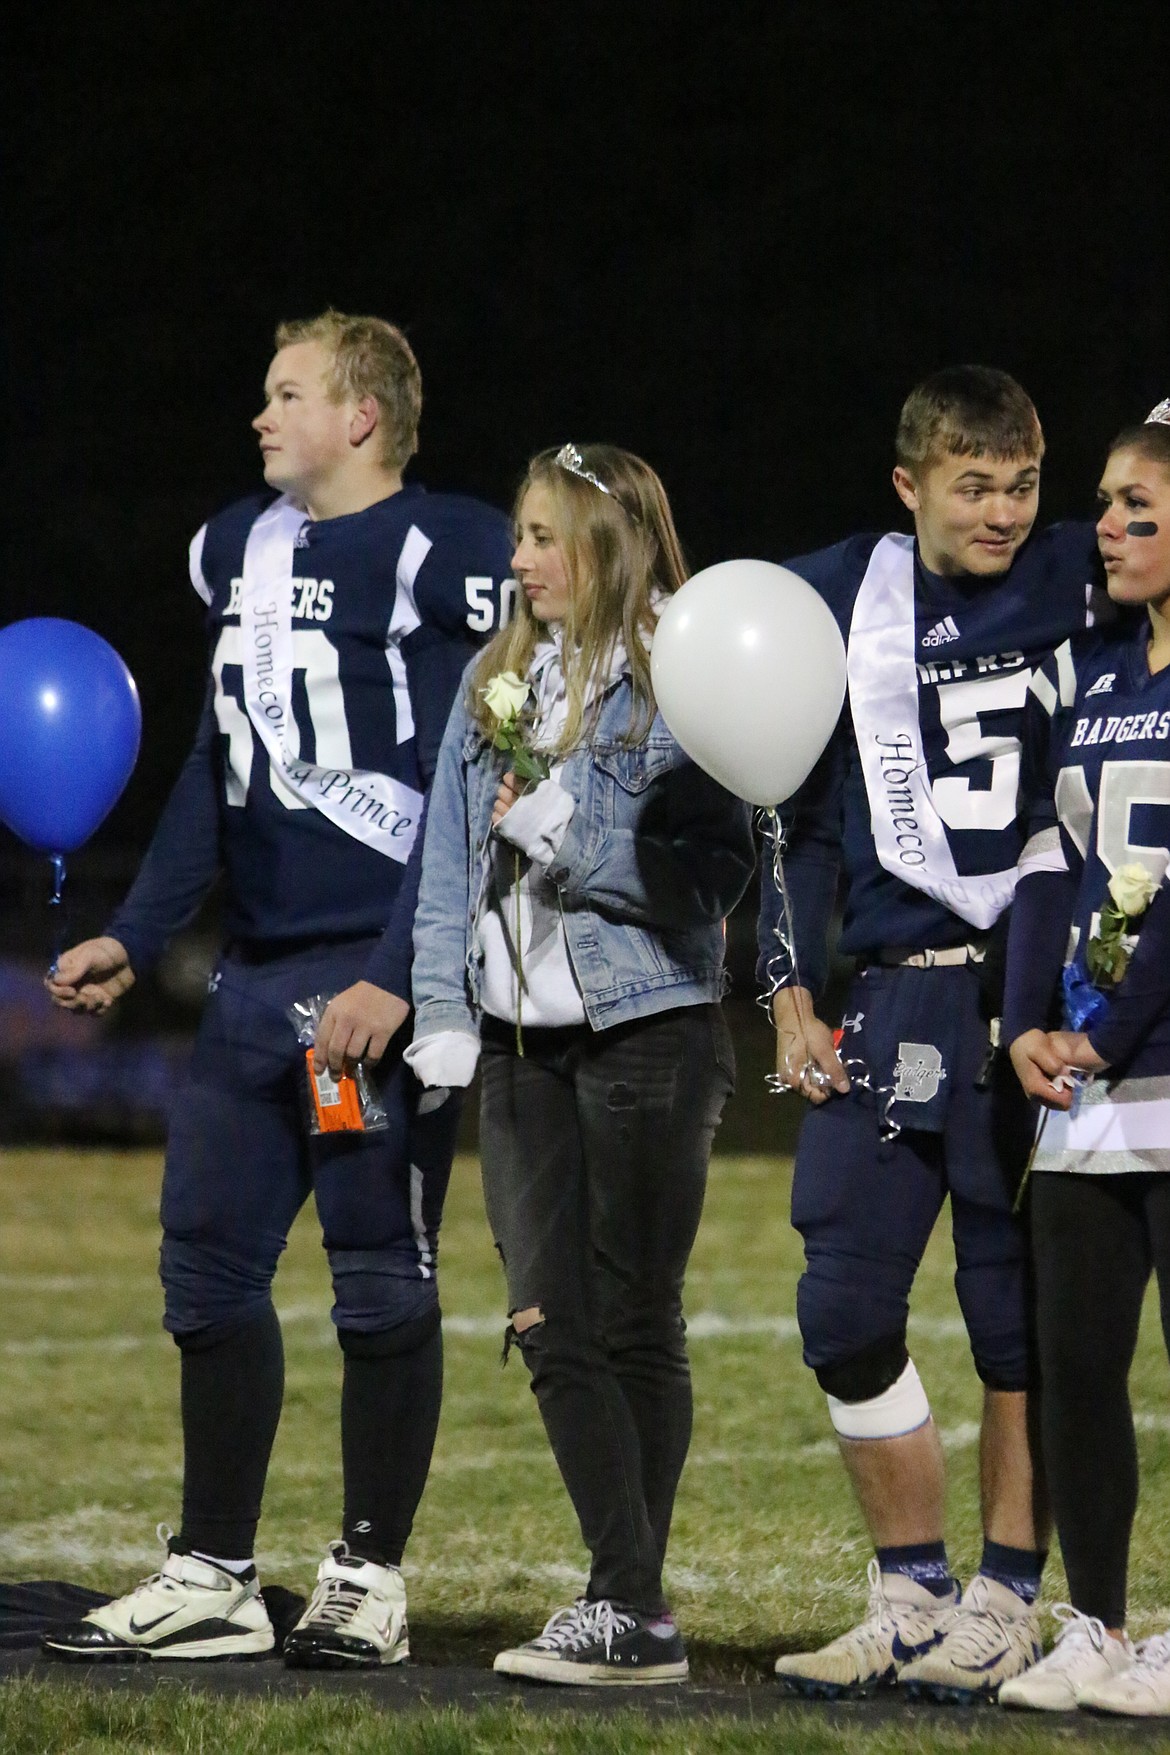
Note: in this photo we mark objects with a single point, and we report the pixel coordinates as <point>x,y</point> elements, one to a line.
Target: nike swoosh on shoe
<point>149,1626</point>
<point>906,1654</point>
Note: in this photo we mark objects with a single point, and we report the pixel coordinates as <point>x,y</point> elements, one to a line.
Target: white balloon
<point>749,673</point>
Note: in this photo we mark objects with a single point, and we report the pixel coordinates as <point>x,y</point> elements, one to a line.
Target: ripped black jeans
<point>595,1147</point>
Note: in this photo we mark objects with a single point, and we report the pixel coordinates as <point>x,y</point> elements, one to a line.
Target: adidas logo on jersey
<point>941,633</point>
<point>1103,685</point>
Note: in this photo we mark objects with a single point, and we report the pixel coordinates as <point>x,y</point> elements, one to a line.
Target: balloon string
<point>57,901</point>
<point>783,970</point>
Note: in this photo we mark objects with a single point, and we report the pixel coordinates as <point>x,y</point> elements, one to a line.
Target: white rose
<point>505,695</point>
<point>1132,888</point>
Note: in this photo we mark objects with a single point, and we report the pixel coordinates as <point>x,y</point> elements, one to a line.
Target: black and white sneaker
<point>191,1609</point>
<point>356,1618</point>
<point>600,1642</point>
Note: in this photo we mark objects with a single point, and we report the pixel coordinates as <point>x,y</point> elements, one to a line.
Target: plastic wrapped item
<point>348,1104</point>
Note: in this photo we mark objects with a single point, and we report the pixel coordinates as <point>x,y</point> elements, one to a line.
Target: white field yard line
<point>93,1537</point>
<point>705,1325</point>
<point>534,1456</point>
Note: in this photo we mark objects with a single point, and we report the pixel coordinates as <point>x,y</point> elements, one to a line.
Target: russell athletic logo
<point>942,633</point>
<point>1103,685</point>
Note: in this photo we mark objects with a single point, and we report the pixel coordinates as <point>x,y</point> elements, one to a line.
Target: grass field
<point>767,1551</point>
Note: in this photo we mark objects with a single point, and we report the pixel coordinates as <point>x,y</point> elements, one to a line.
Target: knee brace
<point>868,1372</point>
<point>876,1394</point>
<point>898,1410</point>
<point>390,1343</point>
<point>378,1290</point>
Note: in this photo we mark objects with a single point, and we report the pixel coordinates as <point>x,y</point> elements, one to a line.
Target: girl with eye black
<point>1093,897</point>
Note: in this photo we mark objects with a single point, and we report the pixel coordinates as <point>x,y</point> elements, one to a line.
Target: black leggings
<point>1095,1240</point>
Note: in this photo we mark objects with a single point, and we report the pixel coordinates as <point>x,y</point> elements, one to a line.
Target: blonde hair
<point>370,357</point>
<point>621,552</point>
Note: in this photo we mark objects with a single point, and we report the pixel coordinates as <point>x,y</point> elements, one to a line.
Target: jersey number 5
<point>958,803</point>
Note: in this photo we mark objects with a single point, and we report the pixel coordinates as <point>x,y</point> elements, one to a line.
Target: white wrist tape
<point>900,1409</point>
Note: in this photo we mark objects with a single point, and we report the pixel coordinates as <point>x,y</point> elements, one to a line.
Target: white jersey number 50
<point>315,659</point>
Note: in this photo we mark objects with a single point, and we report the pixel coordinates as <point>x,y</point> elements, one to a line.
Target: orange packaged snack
<point>348,1104</point>
<point>335,1101</point>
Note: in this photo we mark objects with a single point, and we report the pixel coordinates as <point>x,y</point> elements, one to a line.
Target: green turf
<point>767,1552</point>
<point>36,1718</point>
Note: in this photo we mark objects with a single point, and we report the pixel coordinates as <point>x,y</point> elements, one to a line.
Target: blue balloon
<point>71,729</point>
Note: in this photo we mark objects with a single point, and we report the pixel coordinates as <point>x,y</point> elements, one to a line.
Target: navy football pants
<point>866,1208</point>
<point>240,1162</point>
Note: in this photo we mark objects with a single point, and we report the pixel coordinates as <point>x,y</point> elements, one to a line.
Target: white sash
<point>909,835</point>
<point>381,812</point>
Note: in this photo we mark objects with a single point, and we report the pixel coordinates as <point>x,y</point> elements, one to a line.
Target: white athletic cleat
<point>592,1642</point>
<point>191,1609</point>
<point>1083,1655</point>
<point>1142,1690</point>
<point>992,1637</point>
<point>903,1622</point>
<point>356,1618</point>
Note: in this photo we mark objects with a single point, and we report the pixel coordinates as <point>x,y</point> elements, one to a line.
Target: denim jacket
<point>655,857</point>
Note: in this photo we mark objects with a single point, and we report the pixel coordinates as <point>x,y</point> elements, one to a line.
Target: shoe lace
<point>882,1616</point>
<point>336,1601</point>
<point>1078,1630</point>
<point>879,1613</point>
<point>158,1580</point>
<point>584,1623</point>
<point>978,1630</point>
<point>1153,1654</point>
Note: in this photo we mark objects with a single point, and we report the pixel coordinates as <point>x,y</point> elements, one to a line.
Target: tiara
<point>1159,416</point>
<point>568,457</point>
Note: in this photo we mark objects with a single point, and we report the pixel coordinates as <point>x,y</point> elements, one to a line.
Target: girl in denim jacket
<point>569,935</point>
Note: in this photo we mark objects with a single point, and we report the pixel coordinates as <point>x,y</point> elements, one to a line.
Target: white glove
<point>536,823</point>
<point>448,1058</point>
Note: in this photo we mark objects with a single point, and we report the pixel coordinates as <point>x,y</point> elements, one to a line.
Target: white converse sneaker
<point>1084,1654</point>
<point>992,1637</point>
<point>356,1617</point>
<point>191,1609</point>
<point>904,1620</point>
<point>1142,1690</point>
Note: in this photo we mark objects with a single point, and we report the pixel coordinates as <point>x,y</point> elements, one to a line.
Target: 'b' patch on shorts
<point>918,1072</point>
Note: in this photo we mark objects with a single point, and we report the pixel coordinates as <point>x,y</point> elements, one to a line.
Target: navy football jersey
<point>1097,774</point>
<point>387,606</point>
<point>977,642</point>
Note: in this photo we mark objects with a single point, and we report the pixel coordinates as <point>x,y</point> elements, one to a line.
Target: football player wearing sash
<point>1090,950</point>
<point>915,799</point>
<point>342,607</point>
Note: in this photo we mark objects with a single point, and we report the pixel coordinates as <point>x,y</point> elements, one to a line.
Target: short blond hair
<point>370,358</point>
<point>967,410</point>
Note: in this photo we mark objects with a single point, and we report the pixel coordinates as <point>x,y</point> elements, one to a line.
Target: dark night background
<point>729,237</point>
